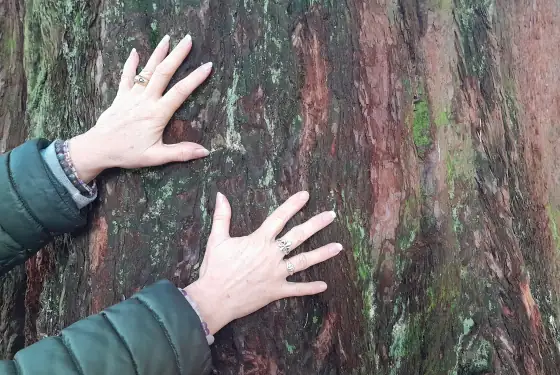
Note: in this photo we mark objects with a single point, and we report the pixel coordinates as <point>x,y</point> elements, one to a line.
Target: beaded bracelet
<point>193,304</point>
<point>63,156</point>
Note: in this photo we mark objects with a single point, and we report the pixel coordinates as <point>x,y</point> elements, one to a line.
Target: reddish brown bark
<point>431,127</point>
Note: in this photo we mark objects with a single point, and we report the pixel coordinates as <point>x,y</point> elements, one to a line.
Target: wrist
<point>87,156</point>
<point>209,306</point>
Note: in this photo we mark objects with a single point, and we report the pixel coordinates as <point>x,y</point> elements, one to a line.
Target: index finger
<point>177,95</point>
<point>274,224</point>
<point>165,70</point>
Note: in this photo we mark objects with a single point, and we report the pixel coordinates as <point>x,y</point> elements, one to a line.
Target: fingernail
<point>164,41</point>
<point>303,195</point>
<point>200,152</point>
<point>187,38</point>
<point>337,248</point>
<point>333,214</point>
<point>207,66</point>
<point>220,197</point>
<point>323,287</point>
<point>133,51</point>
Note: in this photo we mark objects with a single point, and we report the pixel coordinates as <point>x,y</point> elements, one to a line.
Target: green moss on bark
<point>421,130</point>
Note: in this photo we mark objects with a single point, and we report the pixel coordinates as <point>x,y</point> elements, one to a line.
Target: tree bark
<point>430,126</point>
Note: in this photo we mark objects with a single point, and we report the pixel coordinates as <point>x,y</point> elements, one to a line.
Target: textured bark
<point>430,126</point>
<point>12,132</point>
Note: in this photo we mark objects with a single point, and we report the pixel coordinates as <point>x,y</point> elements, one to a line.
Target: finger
<point>177,95</point>
<point>299,234</point>
<point>164,71</point>
<point>274,224</point>
<point>179,152</point>
<point>303,289</point>
<point>129,71</point>
<point>221,222</point>
<point>157,57</point>
<point>303,261</point>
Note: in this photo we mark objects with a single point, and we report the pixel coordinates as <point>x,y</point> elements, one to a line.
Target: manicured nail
<point>201,152</point>
<point>164,41</point>
<point>303,195</point>
<point>337,248</point>
<point>206,67</point>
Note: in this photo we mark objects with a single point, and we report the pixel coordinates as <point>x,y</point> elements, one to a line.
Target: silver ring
<point>284,246</point>
<point>141,80</point>
<point>290,267</point>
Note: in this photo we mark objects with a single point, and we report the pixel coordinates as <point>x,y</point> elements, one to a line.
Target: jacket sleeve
<point>34,206</point>
<point>154,332</point>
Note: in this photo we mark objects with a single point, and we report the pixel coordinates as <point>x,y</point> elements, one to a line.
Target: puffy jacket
<point>155,332</point>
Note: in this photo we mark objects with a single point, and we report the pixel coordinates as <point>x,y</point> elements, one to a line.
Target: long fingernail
<point>206,67</point>
<point>303,195</point>
<point>200,152</point>
<point>164,41</point>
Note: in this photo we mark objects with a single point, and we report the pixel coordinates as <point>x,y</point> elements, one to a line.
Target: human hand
<point>129,133</point>
<point>240,275</point>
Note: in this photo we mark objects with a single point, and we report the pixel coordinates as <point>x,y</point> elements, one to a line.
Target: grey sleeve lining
<point>49,155</point>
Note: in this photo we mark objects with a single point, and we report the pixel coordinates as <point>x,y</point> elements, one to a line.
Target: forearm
<point>34,204</point>
<point>154,332</point>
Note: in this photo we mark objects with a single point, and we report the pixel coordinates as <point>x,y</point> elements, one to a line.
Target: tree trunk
<point>430,126</point>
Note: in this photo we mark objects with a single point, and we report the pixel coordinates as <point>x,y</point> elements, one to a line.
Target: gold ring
<point>141,80</point>
<point>290,267</point>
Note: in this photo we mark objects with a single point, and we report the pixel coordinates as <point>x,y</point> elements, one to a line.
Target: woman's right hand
<point>241,275</point>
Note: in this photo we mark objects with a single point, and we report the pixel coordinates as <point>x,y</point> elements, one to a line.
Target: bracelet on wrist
<point>209,337</point>
<point>63,155</point>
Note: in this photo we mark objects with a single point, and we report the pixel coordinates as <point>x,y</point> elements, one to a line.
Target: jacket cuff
<point>40,206</point>
<point>181,324</point>
<point>49,155</point>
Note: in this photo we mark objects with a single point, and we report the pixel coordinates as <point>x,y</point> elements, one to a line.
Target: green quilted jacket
<point>156,332</point>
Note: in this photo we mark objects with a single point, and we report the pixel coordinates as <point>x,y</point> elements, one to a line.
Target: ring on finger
<point>284,246</point>
<point>290,267</point>
<point>141,80</point>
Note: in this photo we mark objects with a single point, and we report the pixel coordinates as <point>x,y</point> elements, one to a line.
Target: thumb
<point>178,152</point>
<point>221,223</point>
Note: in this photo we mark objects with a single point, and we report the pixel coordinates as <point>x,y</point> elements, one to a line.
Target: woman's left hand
<point>129,133</point>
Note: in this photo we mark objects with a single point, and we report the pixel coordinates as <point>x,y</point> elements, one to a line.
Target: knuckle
<point>182,89</point>
<point>220,216</point>
<point>146,74</point>
<point>185,155</point>
<point>298,234</point>
<point>276,223</point>
<point>164,71</point>
<point>302,261</point>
